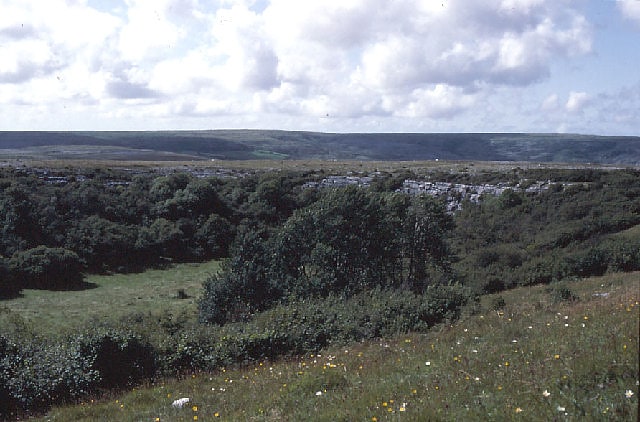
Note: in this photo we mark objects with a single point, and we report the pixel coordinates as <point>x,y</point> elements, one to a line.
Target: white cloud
<point>550,103</point>
<point>630,9</point>
<point>577,101</point>
<point>331,62</point>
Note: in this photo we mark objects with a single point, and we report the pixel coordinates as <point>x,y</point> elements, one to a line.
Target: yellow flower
<point>374,419</point>
<point>556,356</point>
<point>194,408</point>
<point>195,417</point>
<point>385,404</point>
<point>506,364</point>
<point>518,410</point>
<point>216,415</point>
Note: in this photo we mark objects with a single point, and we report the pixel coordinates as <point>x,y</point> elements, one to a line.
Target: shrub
<point>9,287</point>
<point>47,268</point>
<point>562,294</point>
<point>37,374</point>
<point>498,303</point>
<point>118,359</point>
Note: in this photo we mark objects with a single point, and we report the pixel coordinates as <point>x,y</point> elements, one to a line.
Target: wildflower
<point>518,410</point>
<point>374,419</point>
<point>427,363</point>
<point>560,409</point>
<point>194,408</point>
<point>514,341</point>
<point>546,393</point>
<point>216,415</point>
<point>506,364</point>
<point>556,356</point>
<point>385,404</point>
<point>403,407</point>
<point>628,394</point>
<point>318,393</point>
<point>195,417</point>
<point>499,388</point>
<point>414,391</point>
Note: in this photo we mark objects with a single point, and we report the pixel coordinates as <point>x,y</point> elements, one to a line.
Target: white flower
<point>561,409</point>
<point>546,393</point>
<point>427,363</point>
<point>318,393</point>
<point>628,394</point>
<point>179,403</point>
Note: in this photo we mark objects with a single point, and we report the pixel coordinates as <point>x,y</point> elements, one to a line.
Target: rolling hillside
<point>269,144</point>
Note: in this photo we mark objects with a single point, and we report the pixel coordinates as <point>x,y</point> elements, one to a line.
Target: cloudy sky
<point>323,65</point>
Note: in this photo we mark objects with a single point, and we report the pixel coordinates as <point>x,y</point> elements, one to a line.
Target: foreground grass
<point>112,297</point>
<point>538,358</point>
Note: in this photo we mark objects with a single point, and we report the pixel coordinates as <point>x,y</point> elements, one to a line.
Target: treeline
<point>115,221</point>
<point>52,233</point>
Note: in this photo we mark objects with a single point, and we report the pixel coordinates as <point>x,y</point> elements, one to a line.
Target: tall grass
<point>541,356</point>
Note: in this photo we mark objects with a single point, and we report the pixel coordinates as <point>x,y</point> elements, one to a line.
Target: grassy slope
<point>115,296</point>
<point>493,365</point>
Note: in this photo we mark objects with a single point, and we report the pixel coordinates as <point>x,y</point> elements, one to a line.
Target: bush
<point>118,359</point>
<point>562,294</point>
<point>9,287</point>
<point>37,374</point>
<point>306,325</point>
<point>47,268</point>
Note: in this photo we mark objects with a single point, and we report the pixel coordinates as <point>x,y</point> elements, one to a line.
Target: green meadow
<point>565,351</point>
<point>110,298</point>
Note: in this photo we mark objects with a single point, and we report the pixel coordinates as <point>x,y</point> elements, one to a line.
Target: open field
<point>540,356</point>
<point>111,298</point>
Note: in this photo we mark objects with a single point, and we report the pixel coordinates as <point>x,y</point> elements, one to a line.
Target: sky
<point>321,65</point>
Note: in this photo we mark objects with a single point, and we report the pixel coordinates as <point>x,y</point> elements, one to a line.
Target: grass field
<point>527,354</point>
<point>111,298</point>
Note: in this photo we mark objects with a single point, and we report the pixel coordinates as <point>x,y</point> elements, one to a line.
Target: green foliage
<point>37,374</point>
<point>348,241</point>
<point>118,359</point>
<point>8,286</point>
<point>561,293</point>
<point>47,268</point>
<point>569,230</point>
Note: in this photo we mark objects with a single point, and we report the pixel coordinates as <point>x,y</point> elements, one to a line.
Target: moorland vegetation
<point>303,268</point>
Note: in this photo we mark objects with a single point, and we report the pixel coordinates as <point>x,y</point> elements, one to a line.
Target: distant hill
<point>270,144</point>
